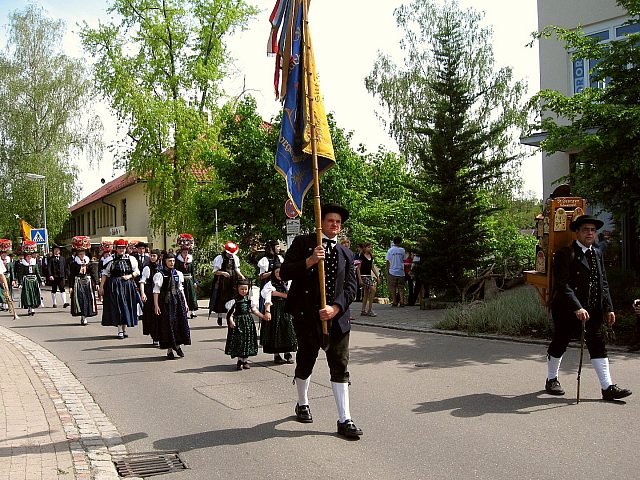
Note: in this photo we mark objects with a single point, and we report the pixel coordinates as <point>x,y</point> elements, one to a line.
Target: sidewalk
<point>50,426</point>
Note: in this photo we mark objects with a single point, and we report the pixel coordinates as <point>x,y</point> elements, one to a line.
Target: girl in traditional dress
<point>83,299</point>
<point>242,337</point>
<point>149,317</point>
<point>368,276</point>
<point>30,277</point>
<point>226,272</point>
<point>120,303</point>
<point>184,264</point>
<point>170,307</point>
<point>276,332</point>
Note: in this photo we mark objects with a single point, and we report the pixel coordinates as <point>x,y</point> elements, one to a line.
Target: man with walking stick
<point>581,299</point>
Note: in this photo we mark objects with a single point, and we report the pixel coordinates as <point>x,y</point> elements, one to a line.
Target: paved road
<point>431,406</point>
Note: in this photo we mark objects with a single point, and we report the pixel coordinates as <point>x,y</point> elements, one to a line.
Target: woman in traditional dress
<point>83,299</point>
<point>170,307</point>
<point>30,277</point>
<point>120,303</point>
<point>265,266</point>
<point>5,247</point>
<point>149,317</point>
<point>242,337</point>
<point>276,332</point>
<point>226,272</point>
<point>184,264</point>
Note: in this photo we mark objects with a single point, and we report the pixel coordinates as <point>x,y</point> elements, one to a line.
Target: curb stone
<point>93,440</point>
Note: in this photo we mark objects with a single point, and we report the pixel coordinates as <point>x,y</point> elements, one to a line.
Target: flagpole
<point>314,156</point>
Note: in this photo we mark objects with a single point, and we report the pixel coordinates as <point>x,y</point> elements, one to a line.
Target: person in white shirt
<point>395,272</point>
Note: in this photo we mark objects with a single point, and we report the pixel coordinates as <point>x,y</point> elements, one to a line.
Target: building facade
<point>118,209</point>
<point>603,19</point>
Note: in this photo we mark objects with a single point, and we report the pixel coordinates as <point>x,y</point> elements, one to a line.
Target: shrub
<point>517,312</point>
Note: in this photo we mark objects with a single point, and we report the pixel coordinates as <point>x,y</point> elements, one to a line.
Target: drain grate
<point>148,464</point>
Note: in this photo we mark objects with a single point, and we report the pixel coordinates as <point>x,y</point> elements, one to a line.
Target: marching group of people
<point>160,289</point>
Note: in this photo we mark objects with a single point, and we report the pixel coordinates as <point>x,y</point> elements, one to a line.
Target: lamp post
<point>35,177</point>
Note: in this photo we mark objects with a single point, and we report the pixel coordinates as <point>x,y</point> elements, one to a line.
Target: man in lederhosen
<point>57,273</point>
<point>303,302</point>
<point>581,294</point>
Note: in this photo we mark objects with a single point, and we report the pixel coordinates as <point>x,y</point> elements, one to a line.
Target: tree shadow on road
<point>235,436</point>
<point>478,404</point>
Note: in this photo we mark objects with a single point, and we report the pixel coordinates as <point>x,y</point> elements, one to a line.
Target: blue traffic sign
<point>39,235</point>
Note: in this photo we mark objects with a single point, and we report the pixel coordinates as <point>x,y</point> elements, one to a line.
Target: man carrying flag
<point>319,303</point>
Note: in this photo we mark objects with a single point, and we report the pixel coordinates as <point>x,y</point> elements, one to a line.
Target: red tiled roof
<point>107,189</point>
<point>201,173</point>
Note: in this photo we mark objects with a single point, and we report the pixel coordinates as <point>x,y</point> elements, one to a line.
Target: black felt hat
<point>335,208</point>
<point>582,219</point>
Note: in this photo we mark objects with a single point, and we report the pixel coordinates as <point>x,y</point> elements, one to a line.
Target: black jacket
<point>303,301</point>
<point>571,281</point>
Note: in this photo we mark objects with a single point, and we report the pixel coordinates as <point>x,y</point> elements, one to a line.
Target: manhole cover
<point>148,464</point>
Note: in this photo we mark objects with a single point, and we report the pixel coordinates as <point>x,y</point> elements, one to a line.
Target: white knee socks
<point>303,387</point>
<point>64,297</point>
<point>601,365</point>
<point>553,367</point>
<point>53,298</point>
<point>341,395</point>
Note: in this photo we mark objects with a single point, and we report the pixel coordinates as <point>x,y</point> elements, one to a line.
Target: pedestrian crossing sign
<point>39,235</point>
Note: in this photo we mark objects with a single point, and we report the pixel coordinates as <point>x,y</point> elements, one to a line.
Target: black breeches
<point>309,344</point>
<point>57,284</point>
<point>567,326</point>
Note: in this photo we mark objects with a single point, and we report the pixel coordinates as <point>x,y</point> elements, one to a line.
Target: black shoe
<point>614,392</point>
<point>125,334</point>
<point>219,321</point>
<point>348,429</point>
<point>54,306</point>
<point>288,358</point>
<point>170,355</point>
<point>552,387</point>
<point>65,305</point>
<point>278,360</point>
<point>303,414</point>
<point>246,365</point>
<point>193,315</point>
<point>180,352</point>
<point>239,365</point>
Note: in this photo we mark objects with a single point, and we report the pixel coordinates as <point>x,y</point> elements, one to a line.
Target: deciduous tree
<point>160,66</point>
<point>44,99</point>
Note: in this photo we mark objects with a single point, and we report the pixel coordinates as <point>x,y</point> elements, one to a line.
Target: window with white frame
<point>581,67</point>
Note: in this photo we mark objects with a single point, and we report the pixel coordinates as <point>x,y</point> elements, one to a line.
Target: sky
<point>347,38</point>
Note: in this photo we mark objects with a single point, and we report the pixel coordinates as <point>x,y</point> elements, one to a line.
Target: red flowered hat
<point>230,248</point>
<point>5,245</point>
<point>81,242</point>
<point>106,246</point>
<point>29,246</point>
<point>185,240</point>
<point>121,242</point>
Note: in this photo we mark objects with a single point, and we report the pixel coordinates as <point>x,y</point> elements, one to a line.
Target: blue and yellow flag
<point>294,151</point>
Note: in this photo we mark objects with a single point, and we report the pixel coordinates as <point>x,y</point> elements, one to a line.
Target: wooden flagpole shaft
<point>314,156</point>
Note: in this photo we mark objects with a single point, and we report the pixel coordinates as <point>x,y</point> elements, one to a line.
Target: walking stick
<point>581,356</point>
<point>316,176</point>
<point>7,294</point>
